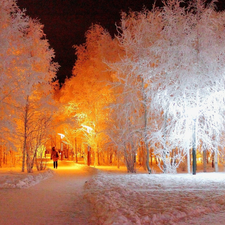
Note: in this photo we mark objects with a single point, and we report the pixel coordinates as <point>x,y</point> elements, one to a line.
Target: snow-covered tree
<point>87,92</point>
<point>174,60</point>
<point>190,76</point>
<point>27,68</point>
<point>10,31</point>
<point>36,71</point>
<point>138,32</point>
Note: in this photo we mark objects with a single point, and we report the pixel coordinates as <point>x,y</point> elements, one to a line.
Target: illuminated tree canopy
<point>155,89</point>
<point>26,75</point>
<point>163,79</point>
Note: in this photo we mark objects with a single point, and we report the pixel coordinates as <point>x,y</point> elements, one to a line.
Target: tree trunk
<point>145,127</point>
<point>216,160</point>
<point>75,147</point>
<point>142,156</point>
<point>95,155</point>
<point>205,161</point>
<point>151,149</point>
<point>194,149</point>
<point>129,154</point>
<point>164,144</point>
<point>89,156</point>
<point>118,158</point>
<point>213,157</point>
<point>216,153</point>
<point>25,134</point>
<point>1,152</point>
<point>188,161</point>
<point>110,158</point>
<point>98,156</point>
<point>223,159</point>
<point>31,163</point>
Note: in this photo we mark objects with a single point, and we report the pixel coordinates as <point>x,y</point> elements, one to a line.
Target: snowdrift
<point>153,199</point>
<point>23,180</point>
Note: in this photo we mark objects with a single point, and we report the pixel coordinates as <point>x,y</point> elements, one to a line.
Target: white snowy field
<point>120,198</point>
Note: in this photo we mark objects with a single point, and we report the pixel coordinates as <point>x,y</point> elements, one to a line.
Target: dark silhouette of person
<point>55,157</point>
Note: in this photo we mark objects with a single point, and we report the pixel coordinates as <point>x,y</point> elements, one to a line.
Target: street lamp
<point>61,144</point>
<point>89,129</point>
<point>61,135</point>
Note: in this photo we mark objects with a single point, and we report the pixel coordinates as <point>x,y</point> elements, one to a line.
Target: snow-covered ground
<point>14,178</point>
<point>57,200</point>
<point>107,196</point>
<point>120,198</point>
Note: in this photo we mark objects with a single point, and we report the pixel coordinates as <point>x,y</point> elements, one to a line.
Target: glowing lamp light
<point>89,129</point>
<point>61,135</point>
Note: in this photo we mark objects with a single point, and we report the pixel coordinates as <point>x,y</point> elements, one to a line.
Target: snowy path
<point>55,201</point>
<point>114,197</point>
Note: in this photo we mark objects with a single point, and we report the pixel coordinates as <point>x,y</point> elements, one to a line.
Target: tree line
<point>157,84</point>
<point>155,88</point>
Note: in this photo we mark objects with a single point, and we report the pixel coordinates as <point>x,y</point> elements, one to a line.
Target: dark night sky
<point>66,21</point>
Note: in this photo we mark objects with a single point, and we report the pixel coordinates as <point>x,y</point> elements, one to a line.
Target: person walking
<point>55,157</point>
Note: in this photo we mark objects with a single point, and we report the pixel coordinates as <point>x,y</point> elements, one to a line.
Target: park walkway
<point>55,201</point>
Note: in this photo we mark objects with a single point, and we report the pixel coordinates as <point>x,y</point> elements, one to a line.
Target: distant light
<point>61,135</point>
<point>87,127</point>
